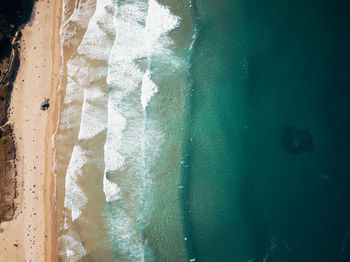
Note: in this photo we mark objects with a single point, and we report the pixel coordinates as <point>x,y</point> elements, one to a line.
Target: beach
<point>188,130</point>
<point>30,236</point>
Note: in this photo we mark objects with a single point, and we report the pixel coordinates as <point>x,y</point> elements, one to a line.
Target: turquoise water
<point>257,68</point>
<point>204,131</point>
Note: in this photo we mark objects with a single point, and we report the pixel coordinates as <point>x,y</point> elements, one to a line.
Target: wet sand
<point>30,236</point>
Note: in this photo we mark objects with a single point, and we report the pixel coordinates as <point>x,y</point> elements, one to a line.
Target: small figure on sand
<point>45,104</point>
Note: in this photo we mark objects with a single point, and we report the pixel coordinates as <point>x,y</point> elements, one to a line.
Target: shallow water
<point>119,138</point>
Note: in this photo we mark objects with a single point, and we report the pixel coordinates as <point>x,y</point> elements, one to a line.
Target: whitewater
<point>115,55</point>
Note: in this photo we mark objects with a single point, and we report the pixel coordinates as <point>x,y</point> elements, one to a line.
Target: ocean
<point>197,130</point>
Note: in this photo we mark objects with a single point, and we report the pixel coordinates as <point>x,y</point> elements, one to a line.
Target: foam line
<point>75,198</point>
<point>113,159</point>
<point>148,89</point>
<point>159,22</point>
<point>96,43</point>
<point>94,119</point>
<point>74,250</point>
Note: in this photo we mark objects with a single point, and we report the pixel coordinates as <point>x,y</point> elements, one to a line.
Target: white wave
<point>75,19</point>
<point>148,89</point>
<point>93,119</point>
<point>138,29</point>
<point>70,117</point>
<point>113,159</point>
<point>67,9</point>
<point>73,250</point>
<point>135,40</point>
<point>96,41</point>
<point>65,224</point>
<point>125,233</point>
<point>194,38</point>
<point>111,190</point>
<point>80,76</point>
<point>116,124</point>
<point>74,89</point>
<point>75,198</point>
<point>159,21</point>
<point>123,77</point>
<point>81,13</point>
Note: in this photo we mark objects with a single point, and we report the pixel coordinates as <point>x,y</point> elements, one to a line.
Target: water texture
<point>258,68</point>
<point>200,130</point>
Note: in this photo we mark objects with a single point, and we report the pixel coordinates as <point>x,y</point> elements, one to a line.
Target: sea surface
<point>198,130</point>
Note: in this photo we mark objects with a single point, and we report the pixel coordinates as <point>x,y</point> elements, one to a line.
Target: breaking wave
<point>108,88</point>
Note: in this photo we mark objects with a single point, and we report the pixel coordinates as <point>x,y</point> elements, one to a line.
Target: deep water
<point>259,67</point>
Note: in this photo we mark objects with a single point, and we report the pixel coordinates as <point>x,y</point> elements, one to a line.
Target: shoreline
<point>31,234</point>
<point>51,250</point>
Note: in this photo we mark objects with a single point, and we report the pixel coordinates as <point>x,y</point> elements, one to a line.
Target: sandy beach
<point>30,236</point>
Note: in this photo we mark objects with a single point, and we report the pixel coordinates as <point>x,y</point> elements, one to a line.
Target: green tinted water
<point>258,67</point>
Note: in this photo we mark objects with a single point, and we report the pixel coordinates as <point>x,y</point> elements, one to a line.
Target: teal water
<point>258,67</point>
<point>204,131</point>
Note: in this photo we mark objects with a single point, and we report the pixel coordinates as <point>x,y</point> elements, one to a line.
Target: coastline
<point>33,226</point>
<point>50,194</point>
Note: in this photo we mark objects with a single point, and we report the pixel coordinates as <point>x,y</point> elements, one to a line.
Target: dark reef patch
<point>296,141</point>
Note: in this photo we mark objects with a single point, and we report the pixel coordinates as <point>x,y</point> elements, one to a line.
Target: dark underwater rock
<point>296,141</point>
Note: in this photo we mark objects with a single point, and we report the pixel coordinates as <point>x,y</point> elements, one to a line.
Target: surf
<point>107,87</point>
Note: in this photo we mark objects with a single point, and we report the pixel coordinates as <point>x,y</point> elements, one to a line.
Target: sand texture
<point>33,226</point>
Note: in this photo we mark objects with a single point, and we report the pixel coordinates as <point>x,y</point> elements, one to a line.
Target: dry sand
<point>33,228</point>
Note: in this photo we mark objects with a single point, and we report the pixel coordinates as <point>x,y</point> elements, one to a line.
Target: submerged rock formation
<point>296,141</point>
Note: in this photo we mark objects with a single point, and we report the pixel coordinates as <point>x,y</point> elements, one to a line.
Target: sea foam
<point>75,198</point>
<point>96,41</point>
<point>74,250</point>
<point>94,118</point>
<point>110,75</point>
<point>159,21</point>
<point>148,89</point>
<point>138,29</point>
<point>134,25</point>
<point>95,45</point>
